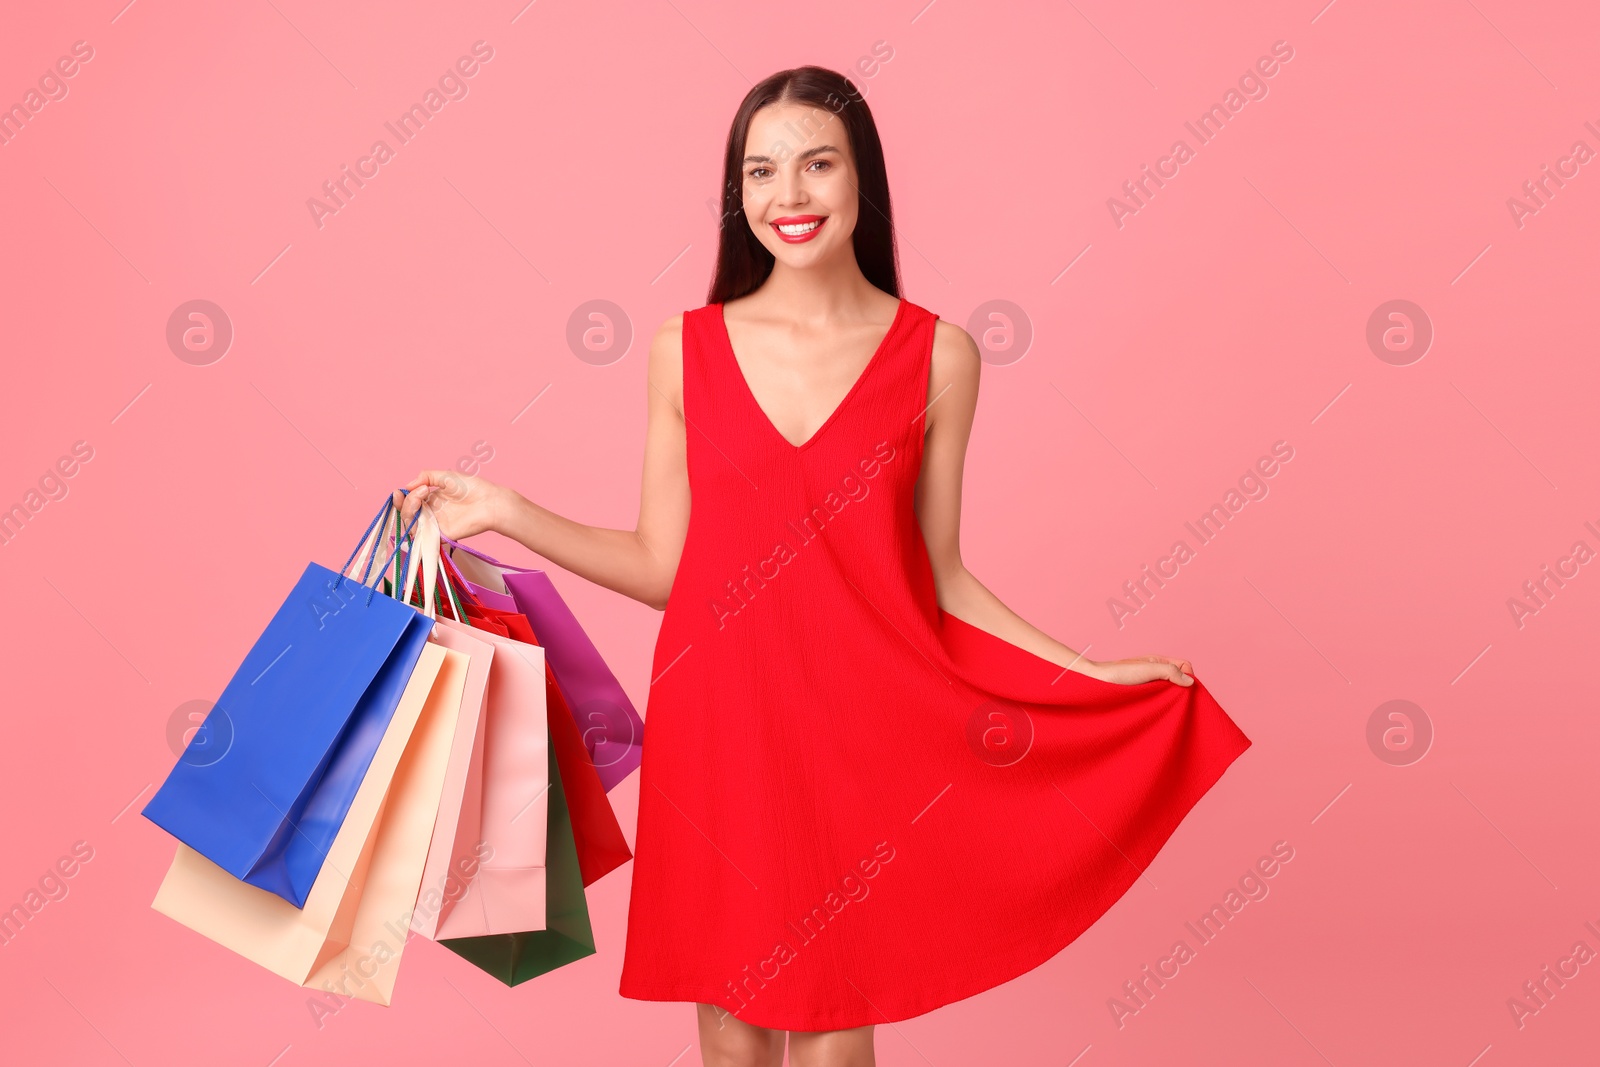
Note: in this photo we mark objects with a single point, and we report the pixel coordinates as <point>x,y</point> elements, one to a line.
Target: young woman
<point>869,788</point>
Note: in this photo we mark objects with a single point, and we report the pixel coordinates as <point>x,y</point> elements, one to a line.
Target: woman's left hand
<point>1143,669</point>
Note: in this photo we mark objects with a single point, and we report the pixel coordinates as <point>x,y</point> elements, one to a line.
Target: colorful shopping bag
<point>349,936</point>
<point>566,934</point>
<point>596,833</point>
<point>506,892</point>
<point>512,624</point>
<point>266,782</point>
<point>457,843</point>
<point>612,730</point>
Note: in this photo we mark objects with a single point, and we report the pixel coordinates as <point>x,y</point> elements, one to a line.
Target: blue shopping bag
<point>266,782</point>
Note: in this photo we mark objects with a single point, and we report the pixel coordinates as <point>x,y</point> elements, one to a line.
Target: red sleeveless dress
<point>854,807</point>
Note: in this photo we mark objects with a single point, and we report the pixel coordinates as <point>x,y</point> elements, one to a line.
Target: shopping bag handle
<point>424,561</point>
<point>373,538</point>
<point>455,572</point>
<point>366,552</point>
<point>440,564</point>
<point>374,525</point>
<point>490,560</point>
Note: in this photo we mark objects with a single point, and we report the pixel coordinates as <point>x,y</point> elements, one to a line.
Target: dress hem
<point>971,985</point>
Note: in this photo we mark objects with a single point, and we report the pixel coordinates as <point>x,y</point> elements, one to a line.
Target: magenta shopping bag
<point>490,598</point>
<point>612,730</point>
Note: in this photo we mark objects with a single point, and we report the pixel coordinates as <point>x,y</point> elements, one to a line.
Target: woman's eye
<point>821,163</point>
<point>758,172</point>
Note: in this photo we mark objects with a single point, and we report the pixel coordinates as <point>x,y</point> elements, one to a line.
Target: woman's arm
<point>952,403</point>
<point>638,563</point>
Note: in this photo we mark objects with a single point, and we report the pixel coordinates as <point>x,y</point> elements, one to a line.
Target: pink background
<point>1227,314</point>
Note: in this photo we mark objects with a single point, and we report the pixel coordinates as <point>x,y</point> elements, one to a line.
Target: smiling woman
<point>835,714</point>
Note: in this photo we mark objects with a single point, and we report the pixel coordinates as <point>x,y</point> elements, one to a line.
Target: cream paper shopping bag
<point>373,870</point>
<point>389,877</point>
<point>458,846</point>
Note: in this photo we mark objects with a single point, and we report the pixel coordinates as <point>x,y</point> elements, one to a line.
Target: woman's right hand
<point>464,504</point>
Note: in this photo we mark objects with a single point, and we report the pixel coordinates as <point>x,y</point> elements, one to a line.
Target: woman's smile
<point>797,229</point>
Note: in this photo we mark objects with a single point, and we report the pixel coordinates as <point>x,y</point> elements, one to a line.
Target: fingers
<point>428,478</point>
<point>412,502</point>
<point>452,486</point>
<point>1182,664</point>
<point>1177,671</point>
<point>427,484</point>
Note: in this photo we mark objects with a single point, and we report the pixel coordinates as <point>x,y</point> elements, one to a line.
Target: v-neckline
<point>855,387</point>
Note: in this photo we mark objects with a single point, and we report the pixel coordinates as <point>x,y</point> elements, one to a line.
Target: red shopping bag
<point>514,624</point>
<point>601,846</point>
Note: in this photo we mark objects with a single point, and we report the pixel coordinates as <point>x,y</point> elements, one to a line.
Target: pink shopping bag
<point>504,812</point>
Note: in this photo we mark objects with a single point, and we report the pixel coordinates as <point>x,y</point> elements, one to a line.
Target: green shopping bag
<point>515,958</point>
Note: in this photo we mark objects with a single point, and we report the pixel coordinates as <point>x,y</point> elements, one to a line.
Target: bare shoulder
<point>954,348</point>
<point>666,361</point>
<point>668,338</point>
<point>956,363</point>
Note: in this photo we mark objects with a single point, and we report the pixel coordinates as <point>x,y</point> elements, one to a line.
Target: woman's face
<point>800,184</point>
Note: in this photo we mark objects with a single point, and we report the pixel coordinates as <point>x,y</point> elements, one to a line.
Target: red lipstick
<point>803,221</point>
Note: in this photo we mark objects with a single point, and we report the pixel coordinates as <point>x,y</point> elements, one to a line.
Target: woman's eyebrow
<point>807,154</point>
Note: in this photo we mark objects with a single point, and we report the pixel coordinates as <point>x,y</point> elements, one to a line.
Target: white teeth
<point>797,230</point>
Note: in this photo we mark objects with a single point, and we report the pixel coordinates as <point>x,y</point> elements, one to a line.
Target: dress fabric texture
<point>854,807</point>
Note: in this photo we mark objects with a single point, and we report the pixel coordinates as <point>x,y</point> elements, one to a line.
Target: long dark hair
<point>742,262</point>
